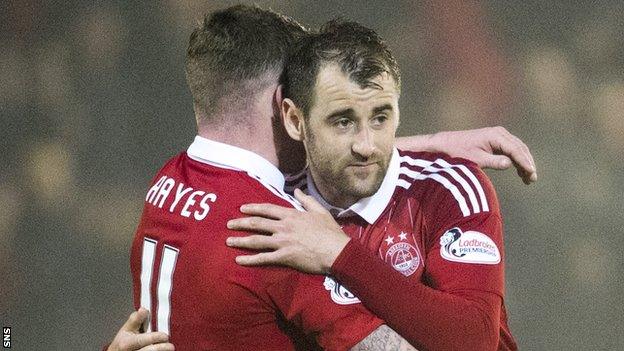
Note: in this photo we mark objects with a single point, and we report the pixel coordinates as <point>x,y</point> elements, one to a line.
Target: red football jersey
<point>437,221</point>
<point>187,277</point>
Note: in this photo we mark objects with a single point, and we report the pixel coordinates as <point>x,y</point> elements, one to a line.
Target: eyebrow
<point>382,108</point>
<point>343,112</point>
<point>348,112</point>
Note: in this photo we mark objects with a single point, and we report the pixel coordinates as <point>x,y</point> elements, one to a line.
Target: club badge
<point>402,255</point>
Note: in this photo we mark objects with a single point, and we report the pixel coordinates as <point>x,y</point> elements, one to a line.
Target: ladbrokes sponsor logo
<point>339,294</point>
<point>468,247</point>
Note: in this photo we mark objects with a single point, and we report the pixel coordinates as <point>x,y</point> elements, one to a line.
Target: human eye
<point>379,120</point>
<point>343,123</point>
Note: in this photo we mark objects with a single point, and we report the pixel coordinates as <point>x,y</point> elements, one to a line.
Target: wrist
<point>436,142</point>
<point>334,253</point>
<point>415,143</point>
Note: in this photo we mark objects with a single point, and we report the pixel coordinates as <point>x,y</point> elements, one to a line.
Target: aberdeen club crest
<point>402,255</point>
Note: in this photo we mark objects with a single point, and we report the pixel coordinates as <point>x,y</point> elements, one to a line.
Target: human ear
<point>292,117</point>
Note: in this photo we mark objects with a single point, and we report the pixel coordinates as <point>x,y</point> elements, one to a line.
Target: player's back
<point>187,277</point>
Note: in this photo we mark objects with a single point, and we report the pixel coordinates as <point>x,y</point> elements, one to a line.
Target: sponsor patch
<point>403,256</point>
<point>339,294</point>
<point>468,247</point>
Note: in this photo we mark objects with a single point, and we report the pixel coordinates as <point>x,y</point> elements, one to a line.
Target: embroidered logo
<point>402,255</point>
<point>339,294</point>
<point>468,247</point>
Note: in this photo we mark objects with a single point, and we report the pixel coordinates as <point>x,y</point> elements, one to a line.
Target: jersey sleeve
<point>464,235</point>
<point>307,302</point>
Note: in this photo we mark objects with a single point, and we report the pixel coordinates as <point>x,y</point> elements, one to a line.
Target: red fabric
<point>215,303</point>
<point>436,298</point>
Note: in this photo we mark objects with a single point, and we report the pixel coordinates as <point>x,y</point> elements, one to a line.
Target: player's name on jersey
<point>180,199</point>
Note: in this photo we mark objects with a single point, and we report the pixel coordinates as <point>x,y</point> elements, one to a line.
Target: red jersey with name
<point>186,276</point>
<point>436,221</point>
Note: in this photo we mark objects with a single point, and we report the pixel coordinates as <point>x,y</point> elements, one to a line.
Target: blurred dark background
<point>93,101</point>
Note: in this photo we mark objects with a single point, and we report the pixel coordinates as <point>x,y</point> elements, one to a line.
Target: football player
<point>185,200</point>
<point>424,244</point>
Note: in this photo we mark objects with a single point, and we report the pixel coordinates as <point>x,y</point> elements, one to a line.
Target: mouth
<point>363,167</point>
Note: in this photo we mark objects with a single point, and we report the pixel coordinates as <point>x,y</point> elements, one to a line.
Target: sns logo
<point>339,294</point>
<point>468,247</point>
<point>6,337</point>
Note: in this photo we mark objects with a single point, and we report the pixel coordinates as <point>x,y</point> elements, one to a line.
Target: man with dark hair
<point>342,43</point>
<point>360,53</point>
<point>182,270</point>
<point>228,56</point>
<point>424,249</point>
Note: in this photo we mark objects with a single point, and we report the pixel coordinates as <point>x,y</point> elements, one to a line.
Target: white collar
<point>232,157</point>
<point>369,208</point>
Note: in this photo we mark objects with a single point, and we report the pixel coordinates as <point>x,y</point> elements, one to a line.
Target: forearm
<point>428,319</point>
<point>383,338</point>
<point>417,143</point>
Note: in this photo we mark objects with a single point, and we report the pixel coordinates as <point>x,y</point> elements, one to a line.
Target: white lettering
<point>179,193</point>
<point>6,337</point>
<point>204,204</point>
<point>164,192</point>
<point>160,191</point>
<point>154,189</point>
<point>190,202</point>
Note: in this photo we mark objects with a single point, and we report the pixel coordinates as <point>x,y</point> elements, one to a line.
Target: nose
<point>363,144</point>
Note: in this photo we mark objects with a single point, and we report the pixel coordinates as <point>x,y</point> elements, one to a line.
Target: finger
<point>138,341</point>
<point>526,153</point>
<point>512,147</point>
<point>533,177</point>
<point>531,172</point>
<point>517,150</point>
<point>253,242</point>
<point>136,319</point>
<point>527,173</point>
<point>308,202</point>
<point>254,224</point>
<point>525,176</point>
<point>499,162</point>
<point>159,347</point>
<point>266,210</point>
<point>261,259</point>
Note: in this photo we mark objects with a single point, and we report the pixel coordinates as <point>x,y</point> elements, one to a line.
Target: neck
<point>331,194</point>
<point>252,132</point>
<point>253,137</point>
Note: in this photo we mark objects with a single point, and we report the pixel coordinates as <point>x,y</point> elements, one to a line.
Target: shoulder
<point>272,194</point>
<point>245,187</point>
<point>454,186</point>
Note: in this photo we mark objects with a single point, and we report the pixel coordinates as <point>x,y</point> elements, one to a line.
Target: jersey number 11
<point>164,283</point>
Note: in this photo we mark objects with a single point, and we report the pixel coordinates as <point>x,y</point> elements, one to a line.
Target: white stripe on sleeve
<point>461,200</point>
<point>448,168</point>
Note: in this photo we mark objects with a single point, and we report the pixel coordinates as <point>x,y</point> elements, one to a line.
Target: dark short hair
<point>234,46</point>
<point>359,51</point>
